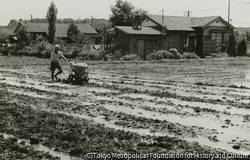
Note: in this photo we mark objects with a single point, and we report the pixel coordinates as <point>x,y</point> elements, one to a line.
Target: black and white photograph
<point>124,79</point>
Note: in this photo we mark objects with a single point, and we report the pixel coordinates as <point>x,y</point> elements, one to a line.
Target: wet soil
<point>191,106</point>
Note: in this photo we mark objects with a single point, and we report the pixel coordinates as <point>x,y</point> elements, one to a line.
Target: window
<point>153,43</point>
<point>218,38</point>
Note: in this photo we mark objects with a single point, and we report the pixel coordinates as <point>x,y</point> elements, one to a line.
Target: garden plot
<point>192,106</point>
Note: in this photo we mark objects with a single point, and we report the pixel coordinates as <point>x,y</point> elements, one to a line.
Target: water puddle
<point>110,124</point>
<point>39,147</point>
<point>217,107</point>
<point>244,82</point>
<point>221,145</point>
<point>189,121</point>
<point>223,137</point>
<point>237,129</point>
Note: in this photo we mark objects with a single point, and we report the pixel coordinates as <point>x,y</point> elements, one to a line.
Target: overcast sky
<point>16,9</point>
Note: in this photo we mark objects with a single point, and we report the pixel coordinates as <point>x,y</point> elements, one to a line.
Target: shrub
<point>19,53</point>
<point>167,54</point>
<point>5,52</point>
<point>222,55</point>
<point>38,54</point>
<point>164,54</point>
<point>98,55</point>
<point>242,48</point>
<point>83,55</point>
<point>75,52</point>
<point>91,55</point>
<point>109,56</point>
<point>130,57</point>
<point>27,48</point>
<point>102,53</point>
<point>118,54</point>
<point>41,46</point>
<point>151,56</point>
<point>190,55</point>
<point>174,51</point>
<point>46,53</point>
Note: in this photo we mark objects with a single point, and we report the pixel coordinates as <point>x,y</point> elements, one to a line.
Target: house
<point>41,29</point>
<point>203,35</point>
<point>8,33</point>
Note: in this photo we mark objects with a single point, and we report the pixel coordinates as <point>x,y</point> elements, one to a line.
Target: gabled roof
<point>184,23</point>
<point>7,31</point>
<point>61,28</point>
<point>204,21</point>
<point>36,27</point>
<point>172,22</point>
<point>142,31</point>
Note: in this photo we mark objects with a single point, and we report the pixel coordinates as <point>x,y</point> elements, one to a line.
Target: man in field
<point>54,59</point>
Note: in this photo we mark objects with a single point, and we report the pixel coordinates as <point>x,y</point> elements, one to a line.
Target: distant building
<point>203,35</point>
<point>9,33</point>
<point>41,29</point>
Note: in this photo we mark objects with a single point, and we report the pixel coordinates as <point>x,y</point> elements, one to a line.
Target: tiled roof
<point>7,31</point>
<point>61,28</point>
<point>173,23</point>
<point>202,21</point>
<point>86,28</point>
<point>36,27</point>
<point>182,23</point>
<point>143,30</point>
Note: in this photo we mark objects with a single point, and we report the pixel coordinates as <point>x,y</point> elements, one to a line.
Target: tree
<point>231,50</point>
<point>122,13</point>
<point>23,37</point>
<point>13,23</point>
<point>248,36</point>
<point>52,17</point>
<point>242,47</point>
<point>72,33</point>
<point>75,36</point>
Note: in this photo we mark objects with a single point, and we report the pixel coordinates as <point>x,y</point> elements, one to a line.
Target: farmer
<point>54,58</point>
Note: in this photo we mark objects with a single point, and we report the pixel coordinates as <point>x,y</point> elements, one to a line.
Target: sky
<point>75,9</point>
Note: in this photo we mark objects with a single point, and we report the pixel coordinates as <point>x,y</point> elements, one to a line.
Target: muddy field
<point>185,107</point>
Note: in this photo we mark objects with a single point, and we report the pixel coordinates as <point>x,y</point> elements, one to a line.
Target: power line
<point>242,23</point>
<point>241,2</point>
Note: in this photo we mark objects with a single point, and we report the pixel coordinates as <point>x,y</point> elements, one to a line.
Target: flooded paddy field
<point>173,106</point>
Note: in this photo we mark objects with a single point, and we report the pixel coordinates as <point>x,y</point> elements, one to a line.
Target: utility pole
<point>188,13</point>
<point>228,11</point>
<point>162,17</point>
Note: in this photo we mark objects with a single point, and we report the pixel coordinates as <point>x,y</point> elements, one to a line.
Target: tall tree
<point>122,13</point>
<point>52,17</point>
<point>231,50</point>
<point>72,33</point>
<point>242,47</point>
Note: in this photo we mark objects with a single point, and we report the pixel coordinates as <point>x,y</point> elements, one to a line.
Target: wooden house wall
<point>149,47</point>
<point>209,45</point>
<point>123,41</point>
<point>174,42</point>
<point>176,39</point>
